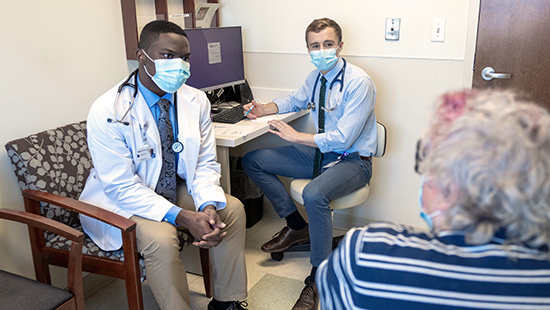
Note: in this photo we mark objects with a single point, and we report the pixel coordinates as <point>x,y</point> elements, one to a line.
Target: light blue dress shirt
<point>151,99</point>
<point>350,123</point>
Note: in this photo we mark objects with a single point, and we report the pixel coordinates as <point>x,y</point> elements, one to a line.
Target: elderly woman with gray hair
<point>485,195</point>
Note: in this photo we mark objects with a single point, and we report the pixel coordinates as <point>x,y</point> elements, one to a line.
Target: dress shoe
<point>236,305</point>
<point>308,298</point>
<point>286,238</point>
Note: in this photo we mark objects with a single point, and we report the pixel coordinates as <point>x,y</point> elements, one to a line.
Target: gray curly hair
<point>496,159</point>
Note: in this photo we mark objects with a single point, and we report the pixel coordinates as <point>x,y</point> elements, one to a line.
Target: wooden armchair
<point>52,167</point>
<point>21,293</point>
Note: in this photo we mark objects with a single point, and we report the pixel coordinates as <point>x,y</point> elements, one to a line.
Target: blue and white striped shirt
<point>390,266</point>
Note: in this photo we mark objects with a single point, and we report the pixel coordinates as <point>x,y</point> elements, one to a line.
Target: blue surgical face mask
<point>170,74</point>
<point>323,60</point>
<point>428,218</point>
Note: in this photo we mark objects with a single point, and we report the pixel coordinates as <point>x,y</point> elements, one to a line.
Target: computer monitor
<point>216,57</point>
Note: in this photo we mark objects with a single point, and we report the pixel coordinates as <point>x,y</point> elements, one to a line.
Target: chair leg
<point>206,274</point>
<point>132,274</point>
<point>133,293</point>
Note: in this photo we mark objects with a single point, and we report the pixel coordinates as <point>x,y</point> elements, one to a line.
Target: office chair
<point>352,199</point>
<point>17,292</point>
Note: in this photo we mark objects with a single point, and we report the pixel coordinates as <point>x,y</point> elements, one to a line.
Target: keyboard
<point>231,116</point>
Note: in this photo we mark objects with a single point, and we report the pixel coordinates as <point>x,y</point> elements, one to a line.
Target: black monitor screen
<point>216,57</point>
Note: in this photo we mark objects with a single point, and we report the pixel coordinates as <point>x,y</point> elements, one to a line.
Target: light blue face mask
<point>170,74</point>
<point>428,218</point>
<point>323,60</point>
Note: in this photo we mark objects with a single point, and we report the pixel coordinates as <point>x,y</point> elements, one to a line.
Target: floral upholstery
<point>58,161</point>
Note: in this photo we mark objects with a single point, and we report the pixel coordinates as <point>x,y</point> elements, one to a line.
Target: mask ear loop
<point>144,66</point>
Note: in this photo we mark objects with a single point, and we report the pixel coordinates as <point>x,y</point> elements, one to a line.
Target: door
<point>514,38</point>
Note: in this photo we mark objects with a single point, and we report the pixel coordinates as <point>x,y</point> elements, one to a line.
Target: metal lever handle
<point>489,73</point>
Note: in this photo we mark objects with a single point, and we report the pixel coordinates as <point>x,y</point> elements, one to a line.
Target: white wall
<point>56,58</point>
<point>409,74</point>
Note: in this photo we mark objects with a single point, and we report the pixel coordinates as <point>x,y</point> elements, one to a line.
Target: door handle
<point>489,73</point>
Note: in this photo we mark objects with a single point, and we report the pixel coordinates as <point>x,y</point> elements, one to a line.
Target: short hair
<point>495,158</point>
<point>447,108</point>
<point>319,24</point>
<point>152,30</point>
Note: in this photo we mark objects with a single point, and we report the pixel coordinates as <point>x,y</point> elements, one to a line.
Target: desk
<point>224,142</point>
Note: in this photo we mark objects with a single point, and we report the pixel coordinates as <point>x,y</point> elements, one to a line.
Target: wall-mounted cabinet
<point>130,21</point>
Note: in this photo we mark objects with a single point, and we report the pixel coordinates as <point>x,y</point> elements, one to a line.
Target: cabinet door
<point>129,20</point>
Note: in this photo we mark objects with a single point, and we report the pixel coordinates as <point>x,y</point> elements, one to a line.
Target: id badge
<point>144,153</point>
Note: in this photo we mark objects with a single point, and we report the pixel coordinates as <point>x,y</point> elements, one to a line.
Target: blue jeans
<point>296,161</point>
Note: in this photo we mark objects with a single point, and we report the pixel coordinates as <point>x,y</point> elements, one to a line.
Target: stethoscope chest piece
<point>177,147</point>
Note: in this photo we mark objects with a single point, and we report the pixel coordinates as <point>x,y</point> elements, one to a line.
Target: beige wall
<point>409,74</point>
<point>56,57</point>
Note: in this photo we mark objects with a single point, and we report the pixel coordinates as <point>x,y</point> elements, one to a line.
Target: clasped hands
<point>205,226</point>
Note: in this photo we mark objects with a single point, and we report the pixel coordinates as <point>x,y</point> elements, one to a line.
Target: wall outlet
<point>438,30</point>
<point>393,27</point>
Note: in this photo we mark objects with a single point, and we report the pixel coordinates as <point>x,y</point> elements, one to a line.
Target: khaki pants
<point>159,245</point>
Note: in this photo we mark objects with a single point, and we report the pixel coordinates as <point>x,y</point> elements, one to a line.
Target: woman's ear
<point>451,194</point>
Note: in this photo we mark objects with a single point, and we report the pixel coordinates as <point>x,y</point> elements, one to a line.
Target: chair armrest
<point>81,207</point>
<point>35,221</point>
<point>43,223</point>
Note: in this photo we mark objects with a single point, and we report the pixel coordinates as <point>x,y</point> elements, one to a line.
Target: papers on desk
<point>232,130</point>
<point>265,119</point>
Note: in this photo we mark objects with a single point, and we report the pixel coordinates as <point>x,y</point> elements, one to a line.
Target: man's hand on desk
<point>259,109</point>
<point>205,226</point>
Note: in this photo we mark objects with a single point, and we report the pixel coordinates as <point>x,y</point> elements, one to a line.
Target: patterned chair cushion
<point>55,161</point>
<point>58,161</point>
<point>90,248</point>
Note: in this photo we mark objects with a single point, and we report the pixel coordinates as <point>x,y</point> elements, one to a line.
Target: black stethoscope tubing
<point>177,146</point>
<point>340,74</point>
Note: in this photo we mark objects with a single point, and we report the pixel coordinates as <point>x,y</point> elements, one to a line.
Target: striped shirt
<point>390,266</point>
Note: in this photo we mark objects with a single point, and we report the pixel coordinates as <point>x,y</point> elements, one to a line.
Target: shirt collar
<point>334,71</point>
<point>150,97</point>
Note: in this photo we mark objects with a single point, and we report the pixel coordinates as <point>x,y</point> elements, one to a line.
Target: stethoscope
<point>177,146</point>
<point>339,78</point>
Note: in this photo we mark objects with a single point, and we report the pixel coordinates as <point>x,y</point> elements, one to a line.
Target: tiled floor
<point>271,284</point>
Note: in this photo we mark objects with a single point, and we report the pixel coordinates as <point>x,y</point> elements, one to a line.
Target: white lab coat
<point>125,185</point>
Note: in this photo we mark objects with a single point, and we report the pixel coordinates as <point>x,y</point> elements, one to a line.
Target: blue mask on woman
<point>428,218</point>
<point>170,74</point>
<point>323,60</point>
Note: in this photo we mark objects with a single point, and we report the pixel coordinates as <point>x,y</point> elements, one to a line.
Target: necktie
<point>166,185</point>
<point>318,155</point>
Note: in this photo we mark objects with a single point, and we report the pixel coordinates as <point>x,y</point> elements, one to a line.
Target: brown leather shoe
<point>286,238</point>
<point>308,298</point>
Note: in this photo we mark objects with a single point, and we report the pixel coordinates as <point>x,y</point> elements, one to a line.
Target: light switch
<point>438,30</point>
<point>393,26</point>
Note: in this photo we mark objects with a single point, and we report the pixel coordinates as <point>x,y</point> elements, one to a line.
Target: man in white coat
<point>134,176</point>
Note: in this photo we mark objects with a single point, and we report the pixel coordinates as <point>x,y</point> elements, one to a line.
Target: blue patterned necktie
<point>318,155</point>
<point>166,185</point>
